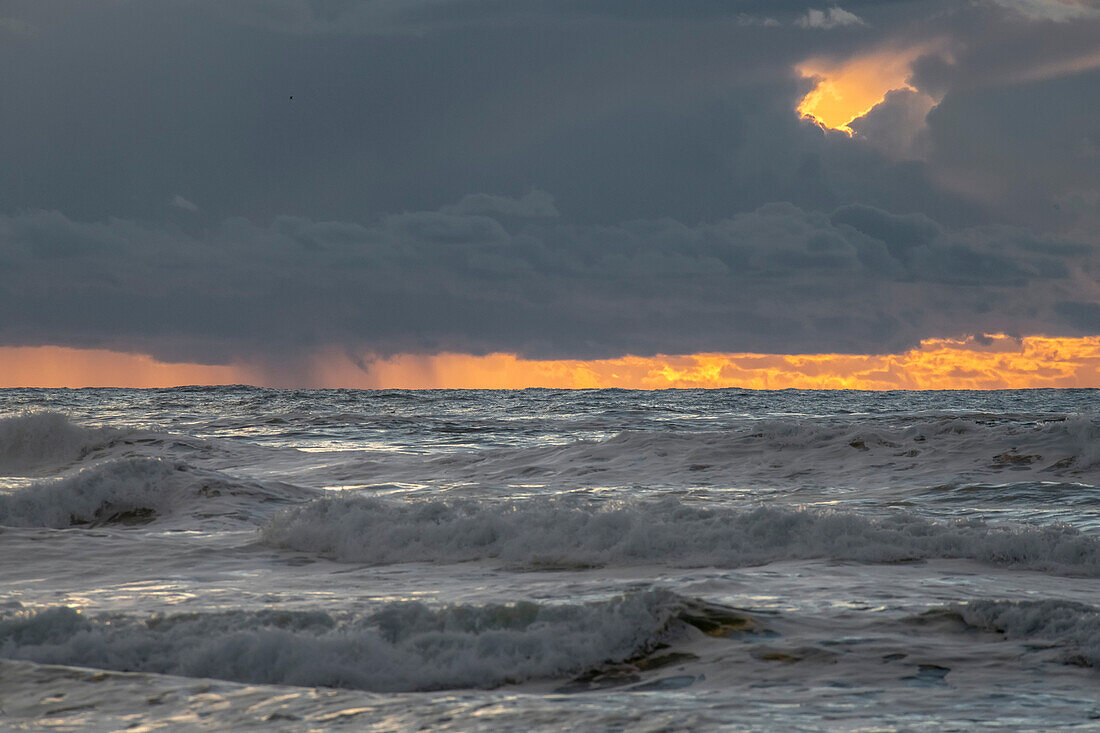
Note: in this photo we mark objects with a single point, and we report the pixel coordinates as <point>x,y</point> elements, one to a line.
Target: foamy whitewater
<point>251,559</point>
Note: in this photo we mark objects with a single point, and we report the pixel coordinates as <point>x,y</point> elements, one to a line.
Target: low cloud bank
<point>497,274</point>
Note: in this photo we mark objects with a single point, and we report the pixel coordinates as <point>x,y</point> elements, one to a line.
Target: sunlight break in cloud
<point>846,90</point>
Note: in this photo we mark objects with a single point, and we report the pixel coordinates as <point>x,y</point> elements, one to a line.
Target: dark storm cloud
<point>258,177</point>
<point>1084,317</point>
<point>536,204</point>
<point>418,16</point>
<point>121,107</point>
<point>776,279</point>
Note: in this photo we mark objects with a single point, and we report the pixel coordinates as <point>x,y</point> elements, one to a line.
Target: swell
<point>925,451</point>
<point>773,453</point>
<point>561,532</point>
<point>402,646</point>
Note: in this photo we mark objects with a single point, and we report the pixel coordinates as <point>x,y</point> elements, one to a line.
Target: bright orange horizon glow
<point>62,366</point>
<point>847,90</point>
<point>996,362</point>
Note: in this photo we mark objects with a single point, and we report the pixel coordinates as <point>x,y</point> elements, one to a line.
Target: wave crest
<point>134,491</point>
<point>37,440</point>
<point>402,646</point>
<point>1074,626</point>
<point>558,532</point>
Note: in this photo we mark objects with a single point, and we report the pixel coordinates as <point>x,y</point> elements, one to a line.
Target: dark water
<point>547,559</point>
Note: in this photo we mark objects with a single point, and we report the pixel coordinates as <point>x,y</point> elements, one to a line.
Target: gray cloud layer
<point>492,273</point>
<point>161,190</point>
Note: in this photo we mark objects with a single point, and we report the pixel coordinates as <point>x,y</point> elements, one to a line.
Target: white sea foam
<point>401,646</point>
<point>567,533</point>
<point>37,440</point>
<point>133,490</point>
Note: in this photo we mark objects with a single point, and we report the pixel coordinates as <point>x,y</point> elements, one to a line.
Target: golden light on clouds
<point>845,90</point>
<point>1001,362</point>
<point>996,362</point>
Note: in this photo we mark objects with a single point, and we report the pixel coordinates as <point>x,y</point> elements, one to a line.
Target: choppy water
<point>547,559</point>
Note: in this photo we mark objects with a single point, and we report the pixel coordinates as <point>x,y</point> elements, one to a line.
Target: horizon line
<point>986,363</point>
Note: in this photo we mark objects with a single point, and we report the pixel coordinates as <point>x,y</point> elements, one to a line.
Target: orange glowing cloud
<point>1000,362</point>
<point>996,362</point>
<point>846,90</point>
<point>58,366</point>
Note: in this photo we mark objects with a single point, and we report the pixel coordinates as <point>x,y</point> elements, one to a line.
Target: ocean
<point>214,558</point>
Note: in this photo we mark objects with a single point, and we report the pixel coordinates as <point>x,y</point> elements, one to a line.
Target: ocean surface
<point>252,559</point>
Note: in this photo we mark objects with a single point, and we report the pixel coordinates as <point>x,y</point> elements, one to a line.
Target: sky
<point>512,193</point>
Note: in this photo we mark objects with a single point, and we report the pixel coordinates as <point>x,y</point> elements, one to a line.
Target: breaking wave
<point>134,491</point>
<point>37,440</point>
<point>559,532</point>
<point>1074,626</point>
<point>402,646</point>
